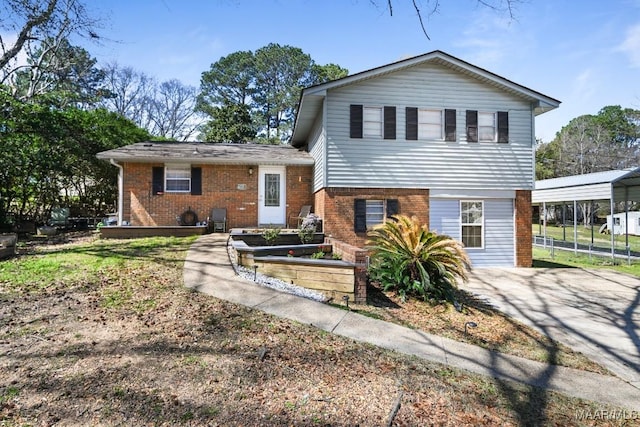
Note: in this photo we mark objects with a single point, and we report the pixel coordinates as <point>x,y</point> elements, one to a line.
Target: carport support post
<point>544,225</point>
<point>592,216</point>
<point>613,235</point>
<point>626,217</point>
<point>575,226</point>
<point>564,222</point>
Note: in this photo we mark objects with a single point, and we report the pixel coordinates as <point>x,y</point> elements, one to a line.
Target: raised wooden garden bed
<point>131,231</point>
<point>253,237</point>
<point>333,278</point>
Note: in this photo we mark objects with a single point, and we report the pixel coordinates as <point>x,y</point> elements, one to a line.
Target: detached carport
<point>612,186</point>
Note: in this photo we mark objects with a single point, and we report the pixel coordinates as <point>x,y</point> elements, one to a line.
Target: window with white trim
<point>177,178</point>
<point>372,121</point>
<point>430,124</point>
<point>472,223</point>
<point>486,127</point>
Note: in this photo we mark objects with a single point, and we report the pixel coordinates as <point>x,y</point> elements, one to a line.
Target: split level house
<point>431,136</point>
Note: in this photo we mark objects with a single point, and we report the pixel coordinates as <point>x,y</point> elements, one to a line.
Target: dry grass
<point>129,345</point>
<point>495,330</point>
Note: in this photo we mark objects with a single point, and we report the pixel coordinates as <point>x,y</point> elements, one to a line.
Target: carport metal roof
<point>614,186</point>
<point>620,185</point>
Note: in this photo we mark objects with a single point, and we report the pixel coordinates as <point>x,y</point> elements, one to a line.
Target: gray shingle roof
<point>204,153</point>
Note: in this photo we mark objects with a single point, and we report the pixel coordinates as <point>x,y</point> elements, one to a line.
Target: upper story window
<point>430,124</point>
<point>372,122</point>
<point>487,126</point>
<point>177,178</point>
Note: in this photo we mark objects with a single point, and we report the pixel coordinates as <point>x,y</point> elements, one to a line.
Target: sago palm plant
<point>410,259</point>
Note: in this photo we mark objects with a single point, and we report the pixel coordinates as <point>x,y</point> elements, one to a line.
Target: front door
<point>271,195</point>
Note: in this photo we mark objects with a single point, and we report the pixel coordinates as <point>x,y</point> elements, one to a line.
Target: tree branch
<point>23,36</point>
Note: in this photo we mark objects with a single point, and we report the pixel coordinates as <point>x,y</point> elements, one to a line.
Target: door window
<point>272,189</point>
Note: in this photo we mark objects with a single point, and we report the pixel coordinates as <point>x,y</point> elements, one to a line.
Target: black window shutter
<point>196,181</point>
<point>389,122</point>
<point>355,123</point>
<point>411,132</point>
<point>449,125</point>
<point>157,180</point>
<point>393,207</point>
<point>360,215</point>
<point>472,126</point>
<point>503,126</point>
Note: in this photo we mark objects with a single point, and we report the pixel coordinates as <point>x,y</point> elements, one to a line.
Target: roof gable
<point>311,97</point>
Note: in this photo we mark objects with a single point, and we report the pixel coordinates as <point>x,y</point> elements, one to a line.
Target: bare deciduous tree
<point>172,111</point>
<point>39,26</point>
<point>433,6</point>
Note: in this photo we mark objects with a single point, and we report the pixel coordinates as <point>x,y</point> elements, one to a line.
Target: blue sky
<point>584,53</point>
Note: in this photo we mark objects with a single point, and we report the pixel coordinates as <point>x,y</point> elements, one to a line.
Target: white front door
<point>271,195</point>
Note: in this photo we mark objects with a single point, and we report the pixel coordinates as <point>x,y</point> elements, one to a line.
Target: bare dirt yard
<point>99,332</point>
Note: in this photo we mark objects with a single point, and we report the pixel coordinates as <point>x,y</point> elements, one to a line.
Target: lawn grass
<point>114,338</point>
<point>542,258</point>
<point>584,236</point>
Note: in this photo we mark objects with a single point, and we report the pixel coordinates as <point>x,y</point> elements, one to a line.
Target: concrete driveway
<point>595,312</point>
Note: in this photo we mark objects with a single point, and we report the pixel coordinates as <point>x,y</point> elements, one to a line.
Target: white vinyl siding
<point>499,242</point>
<point>317,150</point>
<point>487,127</point>
<point>430,124</point>
<point>177,178</point>
<point>372,122</point>
<point>370,162</point>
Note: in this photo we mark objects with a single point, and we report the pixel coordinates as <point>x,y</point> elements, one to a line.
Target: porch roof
<point>207,153</point>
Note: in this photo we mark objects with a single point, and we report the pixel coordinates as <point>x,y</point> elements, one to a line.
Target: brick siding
<point>220,189</point>
<point>336,207</point>
<point>524,211</point>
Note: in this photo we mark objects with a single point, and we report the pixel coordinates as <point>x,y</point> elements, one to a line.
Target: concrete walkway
<point>207,269</point>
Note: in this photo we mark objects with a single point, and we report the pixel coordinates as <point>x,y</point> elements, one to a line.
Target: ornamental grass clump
<point>413,261</point>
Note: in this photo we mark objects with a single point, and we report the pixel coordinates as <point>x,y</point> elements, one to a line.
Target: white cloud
<point>584,86</point>
<point>490,40</point>
<point>631,45</point>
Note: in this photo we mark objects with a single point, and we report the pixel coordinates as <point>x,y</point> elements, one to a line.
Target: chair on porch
<point>304,212</point>
<point>217,221</point>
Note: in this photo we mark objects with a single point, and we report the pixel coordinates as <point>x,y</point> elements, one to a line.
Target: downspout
<point>120,190</point>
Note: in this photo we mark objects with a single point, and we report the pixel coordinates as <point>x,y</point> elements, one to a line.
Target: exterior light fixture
<point>250,170</point>
<point>345,298</point>
<point>470,325</point>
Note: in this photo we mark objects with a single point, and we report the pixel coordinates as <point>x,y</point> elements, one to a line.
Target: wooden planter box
<point>131,232</point>
<point>333,278</point>
<point>285,238</point>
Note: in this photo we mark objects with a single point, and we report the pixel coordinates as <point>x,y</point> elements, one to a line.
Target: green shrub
<point>270,235</point>
<point>410,259</point>
<point>317,255</point>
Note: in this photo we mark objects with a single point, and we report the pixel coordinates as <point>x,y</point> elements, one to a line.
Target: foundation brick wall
<point>524,211</point>
<point>359,257</point>
<point>219,190</point>
<point>336,207</point>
